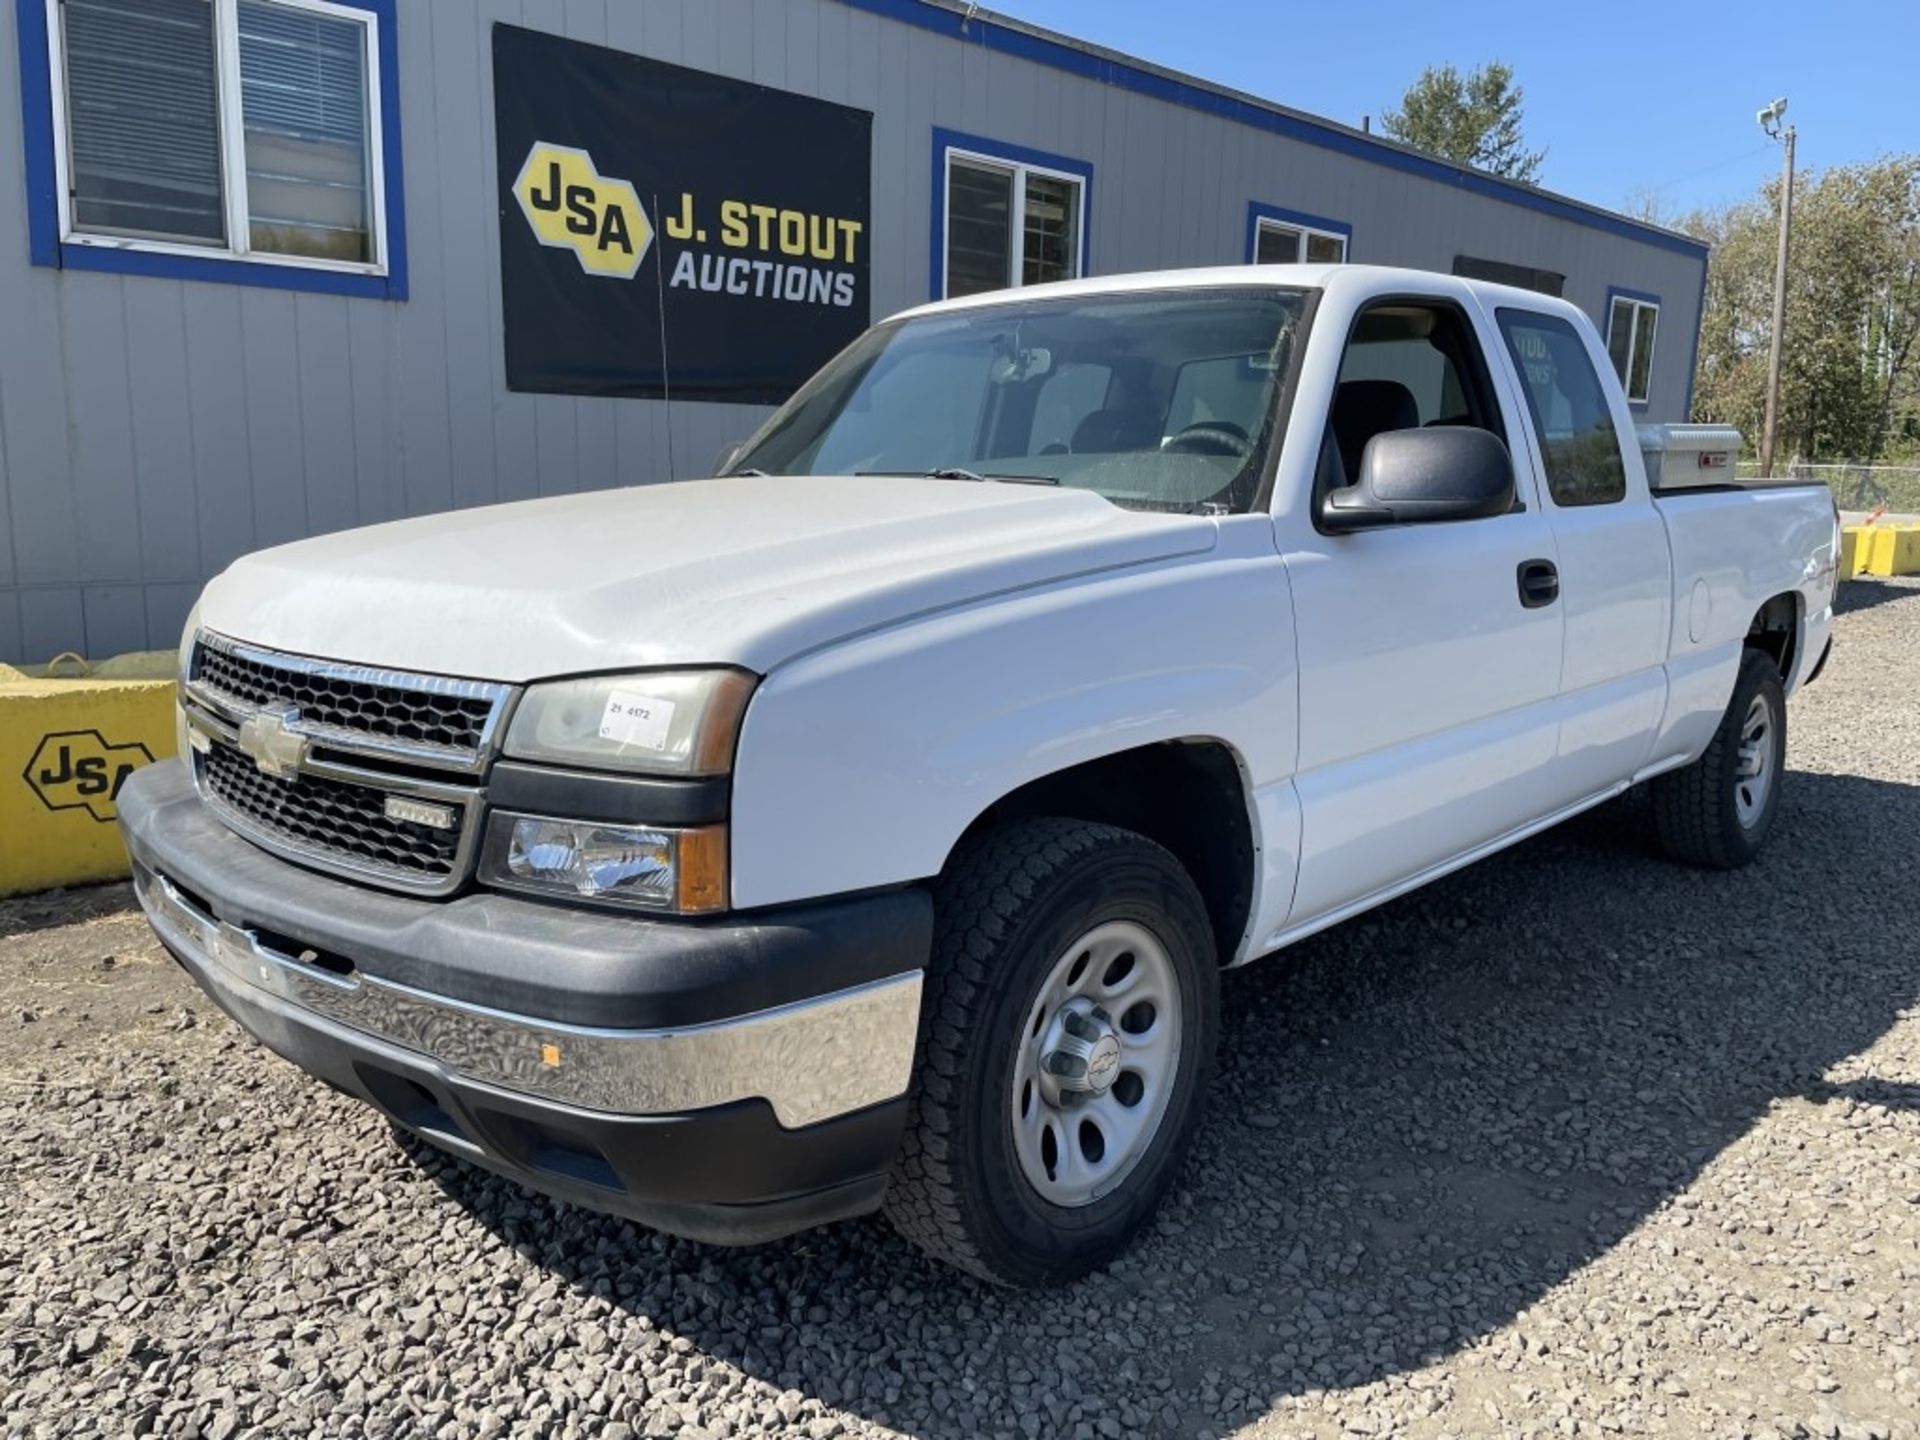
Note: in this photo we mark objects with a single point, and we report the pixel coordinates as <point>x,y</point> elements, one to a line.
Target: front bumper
<point>729,1081</point>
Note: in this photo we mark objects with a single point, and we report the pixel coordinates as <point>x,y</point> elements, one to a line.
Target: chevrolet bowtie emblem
<point>270,741</point>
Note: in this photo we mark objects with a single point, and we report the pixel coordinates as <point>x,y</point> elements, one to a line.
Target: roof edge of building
<point>962,21</point>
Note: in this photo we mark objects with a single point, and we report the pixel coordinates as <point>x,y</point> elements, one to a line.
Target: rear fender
<point>1733,551</point>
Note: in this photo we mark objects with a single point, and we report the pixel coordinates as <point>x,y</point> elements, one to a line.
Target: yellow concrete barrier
<point>1906,550</point>
<point>1876,550</point>
<point>70,734</point>
<point>1879,550</point>
<point>1852,551</point>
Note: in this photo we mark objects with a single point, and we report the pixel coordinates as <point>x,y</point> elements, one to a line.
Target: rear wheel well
<point>1186,795</point>
<point>1776,630</point>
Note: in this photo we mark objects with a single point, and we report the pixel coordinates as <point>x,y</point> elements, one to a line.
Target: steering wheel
<point>1210,437</point>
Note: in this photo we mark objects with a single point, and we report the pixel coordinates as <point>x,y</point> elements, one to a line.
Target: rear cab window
<point>1067,397</point>
<point>1229,392</point>
<point>1568,406</point>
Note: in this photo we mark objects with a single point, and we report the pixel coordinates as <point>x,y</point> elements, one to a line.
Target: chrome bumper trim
<point>811,1060</point>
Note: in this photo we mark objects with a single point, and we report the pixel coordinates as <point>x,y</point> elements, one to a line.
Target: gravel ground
<point>1575,1142</point>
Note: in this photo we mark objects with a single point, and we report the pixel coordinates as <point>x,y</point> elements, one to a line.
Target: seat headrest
<point>1363,409</point>
<point>1105,431</point>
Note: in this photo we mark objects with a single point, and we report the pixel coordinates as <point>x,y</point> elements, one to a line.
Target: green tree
<point>1850,364</point>
<point>1473,118</point>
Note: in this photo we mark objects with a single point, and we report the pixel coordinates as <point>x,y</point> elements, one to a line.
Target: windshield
<point>1159,400</point>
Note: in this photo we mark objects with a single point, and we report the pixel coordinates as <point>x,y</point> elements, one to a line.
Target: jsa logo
<point>572,206</point>
<point>78,769</point>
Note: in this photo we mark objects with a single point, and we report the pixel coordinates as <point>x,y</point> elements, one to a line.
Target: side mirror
<point>1451,472</point>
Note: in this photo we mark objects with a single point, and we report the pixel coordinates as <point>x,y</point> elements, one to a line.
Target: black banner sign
<point>629,187</point>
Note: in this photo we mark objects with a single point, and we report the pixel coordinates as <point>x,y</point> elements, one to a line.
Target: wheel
<point>1066,1040</point>
<point>1717,811</point>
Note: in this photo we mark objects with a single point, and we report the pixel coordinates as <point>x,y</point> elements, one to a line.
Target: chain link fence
<point>1856,487</point>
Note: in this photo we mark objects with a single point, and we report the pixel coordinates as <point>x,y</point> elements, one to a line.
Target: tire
<point>971,1185</point>
<point>1716,812</point>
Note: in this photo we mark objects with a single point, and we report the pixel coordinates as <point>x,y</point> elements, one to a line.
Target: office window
<point>1631,322</point>
<point>1008,217</point>
<point>1287,237</point>
<point>243,129</point>
<point>1005,216</point>
<point>1290,244</point>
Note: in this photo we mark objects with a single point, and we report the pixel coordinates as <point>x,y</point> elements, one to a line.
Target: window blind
<point>979,228</point>
<point>143,118</point>
<point>302,75</point>
<point>303,87</point>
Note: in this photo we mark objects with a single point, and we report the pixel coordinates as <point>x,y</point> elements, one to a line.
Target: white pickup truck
<point>869,826</point>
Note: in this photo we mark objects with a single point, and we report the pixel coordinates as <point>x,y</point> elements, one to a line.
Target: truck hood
<point>747,571</point>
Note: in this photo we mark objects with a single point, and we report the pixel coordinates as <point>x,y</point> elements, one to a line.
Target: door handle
<point>1539,583</point>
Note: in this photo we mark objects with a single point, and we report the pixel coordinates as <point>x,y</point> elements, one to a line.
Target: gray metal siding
<point>151,430</point>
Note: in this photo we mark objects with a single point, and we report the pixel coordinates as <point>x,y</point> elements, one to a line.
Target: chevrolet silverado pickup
<point>867,826</point>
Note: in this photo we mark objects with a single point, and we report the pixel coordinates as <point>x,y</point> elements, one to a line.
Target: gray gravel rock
<point>1574,1142</point>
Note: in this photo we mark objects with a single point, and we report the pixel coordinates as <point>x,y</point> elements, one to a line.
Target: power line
<point>1709,169</point>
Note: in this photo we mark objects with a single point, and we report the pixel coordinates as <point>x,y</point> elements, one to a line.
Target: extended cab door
<point>1616,588</point>
<point>1429,664</point>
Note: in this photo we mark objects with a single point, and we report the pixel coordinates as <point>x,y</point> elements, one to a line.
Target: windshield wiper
<point>955,472</point>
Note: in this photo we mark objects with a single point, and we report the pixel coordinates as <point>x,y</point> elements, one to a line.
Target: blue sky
<point>1621,95</point>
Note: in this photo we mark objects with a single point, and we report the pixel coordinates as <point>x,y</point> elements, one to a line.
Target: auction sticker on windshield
<point>635,719</point>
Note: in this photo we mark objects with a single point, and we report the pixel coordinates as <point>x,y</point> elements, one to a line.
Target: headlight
<point>681,871</point>
<point>674,723</point>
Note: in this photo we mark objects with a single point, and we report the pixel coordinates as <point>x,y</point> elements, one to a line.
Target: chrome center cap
<point>1079,1052</point>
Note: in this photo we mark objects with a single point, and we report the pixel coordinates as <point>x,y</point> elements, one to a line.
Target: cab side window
<point>1408,364</point>
<point>1569,409</point>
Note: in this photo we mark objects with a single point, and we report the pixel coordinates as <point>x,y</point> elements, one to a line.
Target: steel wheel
<point>1753,769</point>
<point>1096,1062</point>
<point>1718,811</point>
<point>1067,1031</point>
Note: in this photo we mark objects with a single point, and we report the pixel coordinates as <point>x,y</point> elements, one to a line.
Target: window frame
<point>1641,301</point>
<point>1021,161</point>
<point>1478,375</point>
<point>56,242</point>
<point>1261,216</point>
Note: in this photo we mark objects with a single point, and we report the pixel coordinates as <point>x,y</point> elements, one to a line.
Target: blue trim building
<point>165,408</point>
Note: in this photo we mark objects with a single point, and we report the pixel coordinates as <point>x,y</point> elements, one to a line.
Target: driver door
<point>1427,677</point>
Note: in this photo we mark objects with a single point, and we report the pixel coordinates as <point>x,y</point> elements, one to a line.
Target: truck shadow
<point>1423,1121</point>
<point>1863,593</point>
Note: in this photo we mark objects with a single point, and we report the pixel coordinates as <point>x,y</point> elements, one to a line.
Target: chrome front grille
<point>329,817</point>
<point>425,719</point>
<point>343,740</point>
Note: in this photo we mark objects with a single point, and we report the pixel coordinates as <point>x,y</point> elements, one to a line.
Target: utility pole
<point>1769,119</point>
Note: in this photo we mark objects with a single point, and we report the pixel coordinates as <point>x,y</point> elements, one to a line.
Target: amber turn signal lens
<point>702,870</point>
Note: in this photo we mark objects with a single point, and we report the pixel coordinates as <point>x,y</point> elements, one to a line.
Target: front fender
<point>861,765</point>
